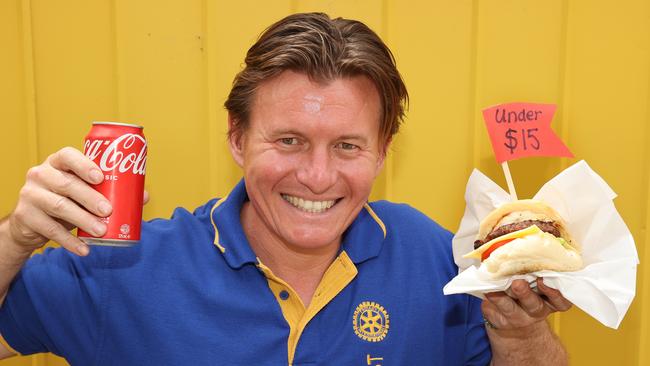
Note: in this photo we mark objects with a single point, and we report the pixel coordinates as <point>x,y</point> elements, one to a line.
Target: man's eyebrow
<point>285,131</point>
<point>354,137</point>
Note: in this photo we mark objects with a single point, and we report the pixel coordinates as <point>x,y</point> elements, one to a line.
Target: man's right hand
<point>57,197</point>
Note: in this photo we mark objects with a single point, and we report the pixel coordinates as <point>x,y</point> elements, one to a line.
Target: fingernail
<point>83,249</point>
<point>96,176</point>
<point>99,228</point>
<point>104,207</point>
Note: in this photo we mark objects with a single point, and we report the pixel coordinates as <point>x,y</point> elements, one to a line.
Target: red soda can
<point>120,151</point>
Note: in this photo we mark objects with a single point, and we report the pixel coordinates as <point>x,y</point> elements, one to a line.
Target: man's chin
<point>314,243</point>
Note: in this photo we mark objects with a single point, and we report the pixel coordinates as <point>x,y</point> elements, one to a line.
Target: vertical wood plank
<point>643,289</point>
<point>561,129</point>
<point>30,87</point>
<point>117,38</point>
<point>15,147</point>
<point>431,42</point>
<point>475,127</point>
<point>214,125</point>
<point>607,58</point>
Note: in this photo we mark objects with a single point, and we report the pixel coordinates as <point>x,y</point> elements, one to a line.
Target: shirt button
<point>284,295</point>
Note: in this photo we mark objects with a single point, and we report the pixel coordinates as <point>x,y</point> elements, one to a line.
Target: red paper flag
<point>519,130</point>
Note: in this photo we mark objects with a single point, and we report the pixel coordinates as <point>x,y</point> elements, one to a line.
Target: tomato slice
<point>494,247</point>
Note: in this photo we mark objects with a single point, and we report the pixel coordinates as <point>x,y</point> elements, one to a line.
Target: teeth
<point>309,206</point>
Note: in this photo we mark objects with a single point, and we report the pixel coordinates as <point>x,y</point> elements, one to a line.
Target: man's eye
<point>289,140</point>
<point>347,146</point>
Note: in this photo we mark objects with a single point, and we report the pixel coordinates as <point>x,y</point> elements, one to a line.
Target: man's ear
<point>383,151</point>
<point>235,141</point>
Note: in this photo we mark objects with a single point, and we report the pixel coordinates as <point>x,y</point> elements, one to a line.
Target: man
<point>292,267</point>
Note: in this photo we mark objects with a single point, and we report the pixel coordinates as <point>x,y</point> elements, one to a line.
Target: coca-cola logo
<point>119,154</point>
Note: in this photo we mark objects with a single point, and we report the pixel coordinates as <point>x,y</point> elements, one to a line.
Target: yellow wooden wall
<point>168,65</point>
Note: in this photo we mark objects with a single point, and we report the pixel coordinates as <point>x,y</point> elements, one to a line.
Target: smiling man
<point>293,267</point>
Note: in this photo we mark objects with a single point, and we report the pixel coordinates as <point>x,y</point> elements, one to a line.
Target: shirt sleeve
<point>53,304</point>
<point>477,344</point>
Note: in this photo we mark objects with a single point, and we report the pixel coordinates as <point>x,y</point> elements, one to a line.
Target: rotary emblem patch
<point>370,321</point>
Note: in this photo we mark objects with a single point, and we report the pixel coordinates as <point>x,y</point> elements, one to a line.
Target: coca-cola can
<point>120,151</point>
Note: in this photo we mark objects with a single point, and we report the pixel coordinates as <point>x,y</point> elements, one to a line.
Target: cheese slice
<point>476,254</point>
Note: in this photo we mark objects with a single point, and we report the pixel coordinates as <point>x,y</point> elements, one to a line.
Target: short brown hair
<point>324,49</point>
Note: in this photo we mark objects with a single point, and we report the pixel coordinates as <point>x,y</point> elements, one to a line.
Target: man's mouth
<point>307,205</point>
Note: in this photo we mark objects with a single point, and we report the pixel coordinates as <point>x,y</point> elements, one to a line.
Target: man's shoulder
<point>406,226</point>
<point>413,235</point>
<point>184,236</point>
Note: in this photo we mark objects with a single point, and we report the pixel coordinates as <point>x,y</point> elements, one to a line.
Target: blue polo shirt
<point>194,293</point>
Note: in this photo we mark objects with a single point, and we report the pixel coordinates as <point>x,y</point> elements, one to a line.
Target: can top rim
<point>117,124</point>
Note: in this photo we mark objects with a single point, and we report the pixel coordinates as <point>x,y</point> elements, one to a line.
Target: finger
<point>69,185</point>
<point>504,312</point>
<point>553,297</point>
<point>504,304</point>
<point>529,301</point>
<point>145,199</point>
<point>73,160</point>
<point>51,229</point>
<point>493,315</point>
<point>65,209</point>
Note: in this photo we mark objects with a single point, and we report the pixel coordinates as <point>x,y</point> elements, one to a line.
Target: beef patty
<point>546,226</point>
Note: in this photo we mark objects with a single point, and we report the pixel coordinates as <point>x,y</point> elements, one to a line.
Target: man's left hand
<point>524,308</point>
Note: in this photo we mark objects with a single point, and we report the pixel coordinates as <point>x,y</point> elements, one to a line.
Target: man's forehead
<point>292,102</point>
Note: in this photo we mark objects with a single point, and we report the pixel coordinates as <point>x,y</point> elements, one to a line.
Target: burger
<point>525,236</point>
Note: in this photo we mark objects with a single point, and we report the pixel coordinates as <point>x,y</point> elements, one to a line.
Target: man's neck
<point>301,269</point>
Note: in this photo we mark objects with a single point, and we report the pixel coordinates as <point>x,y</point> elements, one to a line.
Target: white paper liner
<point>605,287</point>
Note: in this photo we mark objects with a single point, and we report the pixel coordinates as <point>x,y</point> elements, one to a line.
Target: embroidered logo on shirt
<point>370,321</point>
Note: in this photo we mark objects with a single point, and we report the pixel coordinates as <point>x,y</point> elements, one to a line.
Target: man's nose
<point>318,171</point>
